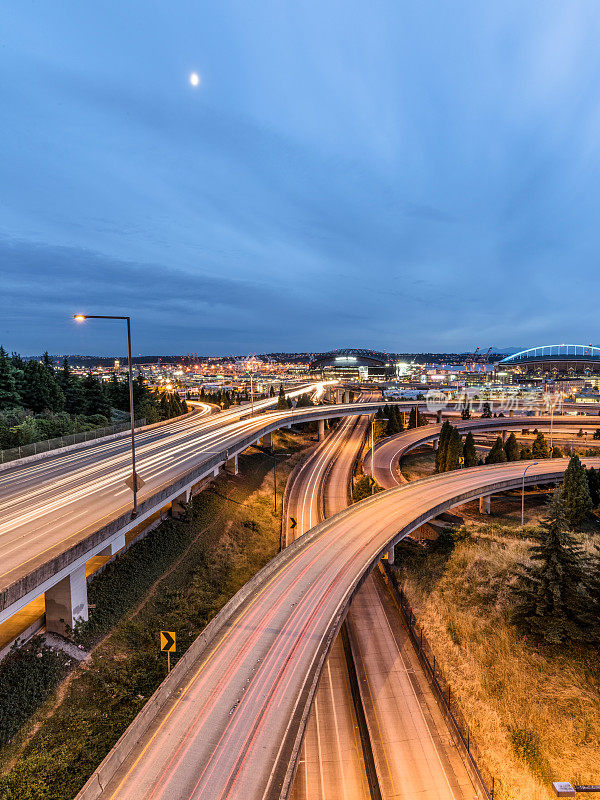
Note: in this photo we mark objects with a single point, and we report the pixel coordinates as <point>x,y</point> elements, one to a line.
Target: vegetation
<point>575,493</point>
<point>511,448</point>
<point>392,415</point>
<point>416,419</point>
<point>39,403</point>
<point>362,488</point>
<point>552,593</point>
<point>469,451</point>
<point>496,454</point>
<point>533,706</point>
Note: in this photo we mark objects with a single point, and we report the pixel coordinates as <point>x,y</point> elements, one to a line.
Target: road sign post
<point>168,644</point>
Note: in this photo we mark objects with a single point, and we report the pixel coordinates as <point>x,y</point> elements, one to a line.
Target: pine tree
<point>593,479</point>
<point>72,389</point>
<point>496,454</point>
<point>465,412</point>
<point>412,418</point>
<point>553,599</point>
<point>281,400</point>
<point>487,411</point>
<point>469,451</point>
<point>9,397</point>
<point>575,492</point>
<point>399,421</point>
<point>95,400</point>
<point>440,456</point>
<point>41,391</point>
<point>540,447</point>
<point>511,448</point>
<point>454,451</point>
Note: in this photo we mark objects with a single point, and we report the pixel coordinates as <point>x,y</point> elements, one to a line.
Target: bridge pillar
<point>435,443</point>
<point>485,505</point>
<point>179,503</point>
<point>233,464</point>
<point>391,554</point>
<point>66,602</point>
<point>321,429</point>
<point>347,396</point>
<point>267,440</point>
<point>114,547</point>
<point>438,416</point>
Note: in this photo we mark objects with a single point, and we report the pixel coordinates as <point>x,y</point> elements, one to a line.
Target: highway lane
<point>413,751</point>
<point>232,722</point>
<point>331,763</point>
<point>388,452</point>
<point>47,504</point>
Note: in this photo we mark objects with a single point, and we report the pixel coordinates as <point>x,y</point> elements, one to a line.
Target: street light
<point>533,463</point>
<point>134,477</point>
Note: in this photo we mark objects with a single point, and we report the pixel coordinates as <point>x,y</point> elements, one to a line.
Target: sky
<point>406,176</point>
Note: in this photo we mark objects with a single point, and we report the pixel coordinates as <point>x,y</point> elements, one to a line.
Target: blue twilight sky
<point>402,175</point>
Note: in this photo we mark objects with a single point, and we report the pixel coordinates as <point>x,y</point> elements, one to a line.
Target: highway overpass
<point>228,722</point>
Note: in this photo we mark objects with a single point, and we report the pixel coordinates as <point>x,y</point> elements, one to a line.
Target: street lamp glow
<point>79,317</point>
<point>195,79</point>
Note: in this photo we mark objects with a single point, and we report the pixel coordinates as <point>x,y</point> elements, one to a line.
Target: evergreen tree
<point>593,479</point>
<point>440,456</point>
<point>465,412</point>
<point>454,451</point>
<point>281,400</point>
<point>575,492</point>
<point>553,599</point>
<point>412,418</point>
<point>72,389</point>
<point>496,454</point>
<point>95,400</point>
<point>9,397</point>
<point>511,448</point>
<point>540,447</point>
<point>487,411</point>
<point>41,391</point>
<point>469,451</point>
<point>271,391</point>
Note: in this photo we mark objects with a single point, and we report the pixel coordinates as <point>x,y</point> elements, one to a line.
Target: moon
<point>195,79</point>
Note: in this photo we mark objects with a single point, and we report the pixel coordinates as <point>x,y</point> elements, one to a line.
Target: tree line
<point>393,417</point>
<point>38,402</point>
<point>452,448</point>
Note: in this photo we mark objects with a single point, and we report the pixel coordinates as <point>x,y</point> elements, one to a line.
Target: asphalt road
<point>234,716</point>
<point>389,451</point>
<point>331,764</point>
<point>48,505</point>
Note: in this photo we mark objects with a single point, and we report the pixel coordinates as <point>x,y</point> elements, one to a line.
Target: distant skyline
<point>407,177</point>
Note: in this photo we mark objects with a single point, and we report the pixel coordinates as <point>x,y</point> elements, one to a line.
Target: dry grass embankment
<point>534,709</point>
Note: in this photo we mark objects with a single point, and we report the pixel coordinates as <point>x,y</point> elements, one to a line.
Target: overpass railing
<point>35,448</point>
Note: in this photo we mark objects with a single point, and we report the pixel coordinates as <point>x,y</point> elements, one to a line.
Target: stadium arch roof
<point>554,353</point>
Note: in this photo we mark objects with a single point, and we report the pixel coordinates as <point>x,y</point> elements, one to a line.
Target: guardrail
<point>442,690</point>
<point>45,446</point>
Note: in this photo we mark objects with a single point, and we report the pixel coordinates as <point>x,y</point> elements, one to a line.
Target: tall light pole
<point>533,463</point>
<point>134,477</point>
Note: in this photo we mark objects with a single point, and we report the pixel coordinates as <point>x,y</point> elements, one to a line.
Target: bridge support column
<point>114,547</point>
<point>66,602</point>
<point>391,554</point>
<point>347,396</point>
<point>485,505</point>
<point>435,443</point>
<point>233,464</point>
<point>438,416</point>
<point>321,429</point>
<point>179,503</point>
<point>267,440</point>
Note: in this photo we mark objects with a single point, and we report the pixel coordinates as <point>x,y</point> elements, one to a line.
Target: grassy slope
<point>535,709</point>
<point>231,532</point>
